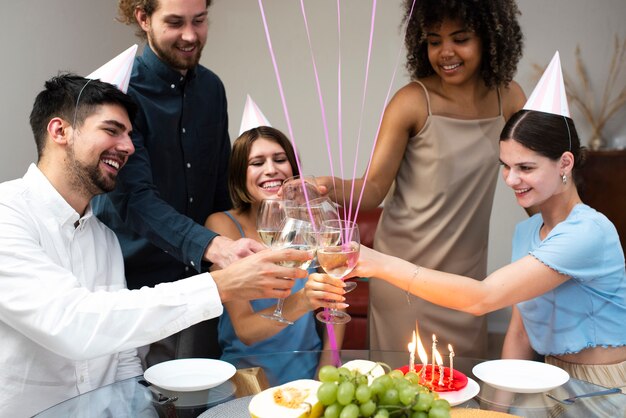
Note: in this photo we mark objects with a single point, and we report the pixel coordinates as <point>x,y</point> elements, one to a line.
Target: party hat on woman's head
<point>252,116</point>
<point>549,94</point>
<point>118,70</point>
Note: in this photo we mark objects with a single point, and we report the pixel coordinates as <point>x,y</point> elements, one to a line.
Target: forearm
<point>343,192</point>
<point>252,328</point>
<point>445,289</point>
<point>516,343</point>
<point>78,324</point>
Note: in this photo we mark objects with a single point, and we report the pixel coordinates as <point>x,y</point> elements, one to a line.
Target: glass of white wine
<point>338,252</point>
<point>270,217</point>
<point>270,222</point>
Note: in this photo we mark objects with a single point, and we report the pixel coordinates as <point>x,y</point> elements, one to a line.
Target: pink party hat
<point>252,116</point>
<point>549,94</point>
<point>117,71</point>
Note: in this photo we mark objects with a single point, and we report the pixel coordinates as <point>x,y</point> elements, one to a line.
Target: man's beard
<point>87,179</point>
<point>171,58</point>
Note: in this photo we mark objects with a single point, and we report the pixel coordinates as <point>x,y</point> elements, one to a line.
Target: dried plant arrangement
<point>580,92</point>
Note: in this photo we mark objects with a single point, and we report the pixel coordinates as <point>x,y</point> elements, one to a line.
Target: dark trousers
<point>197,341</point>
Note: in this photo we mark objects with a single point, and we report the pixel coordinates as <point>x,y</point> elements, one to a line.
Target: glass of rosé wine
<point>338,253</point>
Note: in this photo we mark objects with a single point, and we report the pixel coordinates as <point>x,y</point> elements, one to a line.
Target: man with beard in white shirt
<point>68,324</point>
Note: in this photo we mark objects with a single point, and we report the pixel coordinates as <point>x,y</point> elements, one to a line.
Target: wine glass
<point>294,188</point>
<point>322,209</point>
<point>316,212</point>
<point>338,253</point>
<point>270,222</point>
<point>270,218</point>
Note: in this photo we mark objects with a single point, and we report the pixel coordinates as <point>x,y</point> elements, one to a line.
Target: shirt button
<point>191,200</point>
<point>173,86</point>
<point>184,131</point>
<point>188,165</point>
<point>82,379</point>
<point>186,268</point>
<point>181,79</point>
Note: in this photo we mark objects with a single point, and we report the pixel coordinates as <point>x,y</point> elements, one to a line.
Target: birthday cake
<point>449,382</point>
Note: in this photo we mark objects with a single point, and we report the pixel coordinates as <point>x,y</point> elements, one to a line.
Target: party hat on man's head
<point>549,94</point>
<point>252,116</point>
<point>118,70</point>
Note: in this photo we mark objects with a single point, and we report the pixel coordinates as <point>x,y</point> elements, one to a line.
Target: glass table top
<point>136,398</point>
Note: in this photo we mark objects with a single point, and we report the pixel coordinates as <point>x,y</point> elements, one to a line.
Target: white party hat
<point>118,70</point>
<point>252,116</point>
<point>549,94</point>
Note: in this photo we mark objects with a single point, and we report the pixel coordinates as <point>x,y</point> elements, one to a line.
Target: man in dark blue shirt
<point>178,175</point>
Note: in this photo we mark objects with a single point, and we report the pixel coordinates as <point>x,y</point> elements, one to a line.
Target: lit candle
<point>451,378</point>
<point>411,347</point>
<point>440,364</point>
<point>421,352</point>
<point>432,366</point>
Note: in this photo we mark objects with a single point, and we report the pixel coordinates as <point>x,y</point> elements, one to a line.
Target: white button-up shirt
<point>68,324</point>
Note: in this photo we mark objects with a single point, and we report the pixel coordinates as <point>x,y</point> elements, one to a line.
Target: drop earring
<point>564,178</point>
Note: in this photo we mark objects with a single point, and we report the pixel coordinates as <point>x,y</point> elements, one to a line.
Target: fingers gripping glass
<point>278,231</point>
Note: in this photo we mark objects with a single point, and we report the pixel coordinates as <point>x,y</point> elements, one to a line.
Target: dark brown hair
<point>238,166</point>
<point>547,134</point>
<point>74,99</point>
<point>494,21</point>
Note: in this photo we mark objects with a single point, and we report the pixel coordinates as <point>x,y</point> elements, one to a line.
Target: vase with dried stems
<point>581,94</point>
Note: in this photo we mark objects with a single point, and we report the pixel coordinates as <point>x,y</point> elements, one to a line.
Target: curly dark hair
<point>494,21</point>
<point>126,12</point>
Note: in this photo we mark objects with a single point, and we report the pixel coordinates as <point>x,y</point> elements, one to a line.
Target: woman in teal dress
<point>261,159</point>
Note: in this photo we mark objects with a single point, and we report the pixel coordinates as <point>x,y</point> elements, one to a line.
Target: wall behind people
<point>41,38</point>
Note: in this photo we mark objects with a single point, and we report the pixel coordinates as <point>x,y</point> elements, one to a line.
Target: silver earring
<point>564,179</point>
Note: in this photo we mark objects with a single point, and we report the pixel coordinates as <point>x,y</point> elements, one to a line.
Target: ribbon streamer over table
<point>348,213</point>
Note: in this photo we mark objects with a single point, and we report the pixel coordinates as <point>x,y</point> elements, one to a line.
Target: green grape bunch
<point>346,393</point>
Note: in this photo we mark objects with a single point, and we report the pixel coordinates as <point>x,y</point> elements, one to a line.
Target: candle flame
<point>438,358</point>
<point>421,351</point>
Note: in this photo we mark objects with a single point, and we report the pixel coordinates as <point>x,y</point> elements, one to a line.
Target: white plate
<point>190,374</point>
<point>457,397</point>
<point>521,376</point>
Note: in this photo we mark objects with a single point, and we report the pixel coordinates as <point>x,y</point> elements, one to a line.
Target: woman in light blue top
<point>567,278</point>
<point>261,159</point>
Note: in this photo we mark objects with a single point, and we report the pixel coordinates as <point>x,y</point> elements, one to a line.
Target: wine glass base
<point>350,286</point>
<point>335,318</point>
<point>276,317</point>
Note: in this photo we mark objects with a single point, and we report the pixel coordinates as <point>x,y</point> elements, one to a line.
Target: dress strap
<point>237,224</point>
<point>428,97</point>
<point>499,101</point>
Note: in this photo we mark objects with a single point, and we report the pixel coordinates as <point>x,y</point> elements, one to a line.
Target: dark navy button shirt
<point>177,176</point>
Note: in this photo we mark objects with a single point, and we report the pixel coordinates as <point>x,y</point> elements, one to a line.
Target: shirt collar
<point>52,201</point>
<point>164,71</point>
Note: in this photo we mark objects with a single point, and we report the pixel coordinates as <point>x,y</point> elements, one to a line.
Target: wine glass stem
<point>278,311</point>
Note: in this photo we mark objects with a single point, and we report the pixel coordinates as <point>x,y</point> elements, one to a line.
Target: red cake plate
<point>459,380</point>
